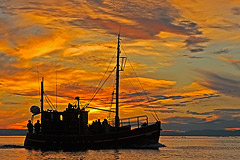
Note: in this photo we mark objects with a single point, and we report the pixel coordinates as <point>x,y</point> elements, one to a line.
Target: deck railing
<point>134,122</point>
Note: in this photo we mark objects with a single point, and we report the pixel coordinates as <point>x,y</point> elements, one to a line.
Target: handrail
<point>138,119</point>
<point>134,117</point>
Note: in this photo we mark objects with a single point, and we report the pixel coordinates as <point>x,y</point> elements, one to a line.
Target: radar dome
<point>35,109</point>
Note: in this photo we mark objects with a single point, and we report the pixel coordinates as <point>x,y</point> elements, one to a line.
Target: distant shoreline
<point>13,132</point>
<point>216,133</point>
<point>207,132</point>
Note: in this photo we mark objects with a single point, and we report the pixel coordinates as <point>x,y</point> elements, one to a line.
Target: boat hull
<point>122,139</point>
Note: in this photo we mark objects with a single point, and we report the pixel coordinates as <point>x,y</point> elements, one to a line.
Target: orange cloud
<point>229,60</point>
<point>79,39</point>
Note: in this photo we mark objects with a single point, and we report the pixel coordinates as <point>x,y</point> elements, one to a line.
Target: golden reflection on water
<point>198,148</point>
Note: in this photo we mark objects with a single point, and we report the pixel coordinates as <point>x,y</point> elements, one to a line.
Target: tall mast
<point>117,84</point>
<point>42,92</point>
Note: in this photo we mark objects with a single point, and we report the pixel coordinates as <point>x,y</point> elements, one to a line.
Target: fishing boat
<point>70,130</point>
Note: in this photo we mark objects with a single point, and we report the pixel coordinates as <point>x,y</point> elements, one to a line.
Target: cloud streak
<point>226,84</point>
<point>169,43</point>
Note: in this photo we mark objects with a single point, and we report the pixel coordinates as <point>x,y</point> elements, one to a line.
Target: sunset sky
<point>186,54</point>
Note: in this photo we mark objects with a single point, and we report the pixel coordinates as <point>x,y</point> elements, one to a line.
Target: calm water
<point>177,148</point>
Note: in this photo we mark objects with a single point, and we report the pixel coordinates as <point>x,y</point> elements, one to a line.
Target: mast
<point>117,84</point>
<point>42,92</point>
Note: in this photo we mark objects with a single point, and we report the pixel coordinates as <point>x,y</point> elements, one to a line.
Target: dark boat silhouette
<point>70,129</point>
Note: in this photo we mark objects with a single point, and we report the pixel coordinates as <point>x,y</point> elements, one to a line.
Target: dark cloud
<point>226,25</point>
<point>152,99</point>
<point>227,114</point>
<point>183,120</point>
<point>153,107</point>
<point>139,19</point>
<point>185,102</point>
<point>176,105</point>
<point>8,65</point>
<point>198,49</point>
<point>191,123</point>
<point>206,96</point>
<point>97,1</point>
<point>192,57</point>
<point>229,110</point>
<point>74,86</point>
<point>226,118</point>
<point>196,113</point>
<point>134,100</point>
<point>12,103</point>
<point>223,51</point>
<point>162,97</point>
<point>7,59</point>
<point>163,111</point>
<point>193,40</point>
<point>155,104</point>
<point>26,93</point>
<point>193,43</point>
<point>192,27</point>
<point>227,84</point>
<point>135,97</point>
<point>236,11</point>
<point>136,94</point>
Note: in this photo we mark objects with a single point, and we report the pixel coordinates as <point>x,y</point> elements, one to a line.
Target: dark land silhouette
<point>206,132</point>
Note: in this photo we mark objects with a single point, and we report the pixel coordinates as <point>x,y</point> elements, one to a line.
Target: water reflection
<point>197,148</point>
<point>116,154</point>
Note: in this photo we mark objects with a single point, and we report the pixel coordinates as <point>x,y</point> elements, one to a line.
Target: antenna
<point>42,93</point>
<point>39,88</point>
<point>119,29</point>
<point>56,87</point>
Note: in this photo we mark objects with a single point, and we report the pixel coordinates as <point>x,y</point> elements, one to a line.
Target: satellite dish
<point>35,109</point>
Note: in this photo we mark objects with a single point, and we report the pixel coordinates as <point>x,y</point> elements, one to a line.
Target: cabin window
<point>78,115</point>
<point>61,117</point>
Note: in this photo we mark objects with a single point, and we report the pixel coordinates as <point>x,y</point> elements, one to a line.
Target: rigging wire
<point>101,109</point>
<point>39,88</point>
<point>56,86</point>
<point>109,116</point>
<point>100,87</point>
<point>141,87</point>
<point>140,99</point>
<point>49,101</point>
<point>144,91</point>
<point>97,87</point>
<point>114,88</point>
<point>133,87</point>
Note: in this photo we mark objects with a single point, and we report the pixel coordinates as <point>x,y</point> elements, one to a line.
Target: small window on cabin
<point>51,115</point>
<point>61,117</point>
<point>78,115</point>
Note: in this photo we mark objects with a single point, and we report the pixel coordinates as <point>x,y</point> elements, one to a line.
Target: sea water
<point>178,147</point>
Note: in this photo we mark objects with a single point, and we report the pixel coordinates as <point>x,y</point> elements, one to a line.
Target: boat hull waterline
<point>123,139</point>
